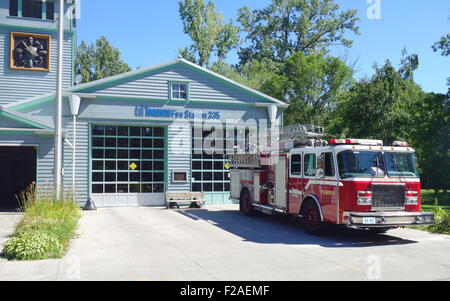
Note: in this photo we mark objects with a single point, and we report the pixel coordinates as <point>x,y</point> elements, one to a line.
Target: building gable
<point>154,83</point>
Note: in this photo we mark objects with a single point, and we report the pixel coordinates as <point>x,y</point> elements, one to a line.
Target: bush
<point>441,221</point>
<point>33,245</point>
<point>46,228</point>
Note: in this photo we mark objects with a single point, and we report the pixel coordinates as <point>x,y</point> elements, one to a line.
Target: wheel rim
<point>311,218</point>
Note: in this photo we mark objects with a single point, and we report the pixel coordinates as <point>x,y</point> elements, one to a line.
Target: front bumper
<point>387,219</point>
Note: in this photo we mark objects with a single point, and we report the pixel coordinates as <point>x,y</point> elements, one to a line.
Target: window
<point>32,9</point>
<point>310,165</point>
<point>13,8</point>
<point>127,159</point>
<point>329,165</point>
<point>296,165</point>
<point>179,91</point>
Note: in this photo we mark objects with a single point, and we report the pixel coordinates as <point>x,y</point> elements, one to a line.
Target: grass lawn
<point>439,203</point>
<point>431,200</point>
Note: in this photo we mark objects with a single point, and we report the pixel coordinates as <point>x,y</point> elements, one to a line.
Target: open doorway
<point>17,171</point>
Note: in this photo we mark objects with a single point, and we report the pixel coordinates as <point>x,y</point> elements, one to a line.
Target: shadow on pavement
<point>286,230</point>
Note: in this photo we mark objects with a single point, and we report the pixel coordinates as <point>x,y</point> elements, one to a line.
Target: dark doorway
<point>17,172</point>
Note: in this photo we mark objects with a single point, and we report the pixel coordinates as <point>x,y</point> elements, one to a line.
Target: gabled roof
<point>24,119</point>
<point>139,72</point>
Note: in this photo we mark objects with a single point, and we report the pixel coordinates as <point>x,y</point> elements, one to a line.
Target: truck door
<point>295,186</point>
<point>329,186</point>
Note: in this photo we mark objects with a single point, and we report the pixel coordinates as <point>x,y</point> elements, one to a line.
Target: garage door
<point>127,165</point>
<point>17,172</point>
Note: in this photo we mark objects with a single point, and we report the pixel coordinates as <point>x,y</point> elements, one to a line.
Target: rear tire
<point>311,219</point>
<point>245,204</point>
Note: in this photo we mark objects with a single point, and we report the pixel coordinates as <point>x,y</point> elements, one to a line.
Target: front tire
<point>311,219</point>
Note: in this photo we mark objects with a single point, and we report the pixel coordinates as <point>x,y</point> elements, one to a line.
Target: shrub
<point>46,228</point>
<point>33,245</point>
<point>441,221</point>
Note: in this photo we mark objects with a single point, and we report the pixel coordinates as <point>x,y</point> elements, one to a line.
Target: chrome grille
<point>388,195</point>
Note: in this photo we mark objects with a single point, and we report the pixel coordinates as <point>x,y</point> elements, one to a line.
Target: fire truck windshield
<point>401,164</point>
<point>376,163</point>
<point>360,164</point>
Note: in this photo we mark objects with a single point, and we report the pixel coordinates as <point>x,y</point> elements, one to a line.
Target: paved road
<point>221,244</point>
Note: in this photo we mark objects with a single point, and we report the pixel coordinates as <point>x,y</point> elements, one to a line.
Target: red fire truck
<point>359,183</point>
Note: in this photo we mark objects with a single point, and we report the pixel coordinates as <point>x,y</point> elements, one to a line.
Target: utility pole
<point>58,107</point>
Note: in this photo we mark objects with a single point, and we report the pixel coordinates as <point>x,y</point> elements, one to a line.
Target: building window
<point>50,10</point>
<point>13,8</point>
<point>32,9</point>
<point>179,91</point>
<point>127,159</point>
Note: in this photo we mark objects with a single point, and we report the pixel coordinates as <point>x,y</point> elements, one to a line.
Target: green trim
<point>166,158</point>
<point>229,84</point>
<point>23,120</point>
<point>31,104</point>
<point>133,74</point>
<point>44,11</point>
<point>90,160</point>
<point>121,79</point>
<point>13,132</point>
<point>168,101</point>
<point>29,28</point>
<point>19,8</point>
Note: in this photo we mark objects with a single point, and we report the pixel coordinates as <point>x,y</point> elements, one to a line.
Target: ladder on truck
<point>291,136</point>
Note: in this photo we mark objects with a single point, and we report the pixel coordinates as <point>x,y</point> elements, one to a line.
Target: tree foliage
<point>286,27</point>
<point>430,135</point>
<point>378,107</point>
<point>98,60</point>
<point>443,45</point>
<point>211,35</point>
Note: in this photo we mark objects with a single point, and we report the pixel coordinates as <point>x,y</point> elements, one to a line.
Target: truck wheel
<point>311,219</point>
<point>245,204</point>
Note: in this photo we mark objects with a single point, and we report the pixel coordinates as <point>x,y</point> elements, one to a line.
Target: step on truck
<point>359,183</point>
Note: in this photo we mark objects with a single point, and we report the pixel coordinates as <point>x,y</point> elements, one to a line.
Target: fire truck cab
<point>354,182</point>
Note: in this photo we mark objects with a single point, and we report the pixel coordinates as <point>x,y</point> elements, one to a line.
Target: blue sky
<point>149,32</point>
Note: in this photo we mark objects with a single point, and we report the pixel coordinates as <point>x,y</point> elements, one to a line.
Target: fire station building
<point>126,129</point>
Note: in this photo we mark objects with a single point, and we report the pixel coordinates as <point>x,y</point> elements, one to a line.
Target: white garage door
<point>127,165</point>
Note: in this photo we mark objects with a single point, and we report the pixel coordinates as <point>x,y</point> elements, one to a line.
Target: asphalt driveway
<point>219,243</point>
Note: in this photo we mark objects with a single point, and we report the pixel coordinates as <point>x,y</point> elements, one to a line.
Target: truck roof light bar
<point>400,143</point>
<point>372,142</point>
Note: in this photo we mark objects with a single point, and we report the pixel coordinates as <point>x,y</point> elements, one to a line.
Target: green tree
<point>314,83</point>
<point>379,107</point>
<point>430,136</point>
<point>211,35</point>
<point>443,45</point>
<point>286,27</point>
<point>98,60</point>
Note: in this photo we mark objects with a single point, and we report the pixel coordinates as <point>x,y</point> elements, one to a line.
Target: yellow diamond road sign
<point>227,165</point>
<point>133,166</point>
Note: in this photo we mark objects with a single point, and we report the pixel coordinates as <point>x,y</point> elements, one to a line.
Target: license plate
<point>369,220</point>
